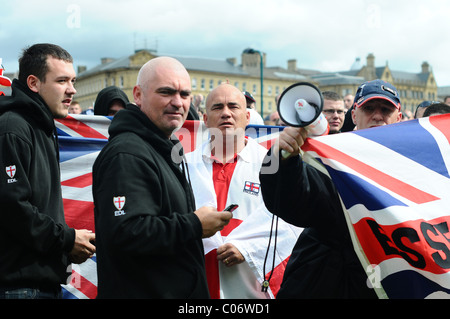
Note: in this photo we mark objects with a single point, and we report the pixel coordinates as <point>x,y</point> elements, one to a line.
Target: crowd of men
<point>164,225</point>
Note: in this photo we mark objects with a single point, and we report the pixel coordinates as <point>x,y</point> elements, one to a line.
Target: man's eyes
<point>371,109</point>
<point>167,91</point>
<point>66,80</point>
<point>339,112</point>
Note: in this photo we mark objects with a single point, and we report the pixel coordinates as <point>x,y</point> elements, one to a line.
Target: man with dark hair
<point>420,109</point>
<point>334,110</point>
<point>34,60</point>
<point>447,100</point>
<point>37,245</point>
<point>436,109</point>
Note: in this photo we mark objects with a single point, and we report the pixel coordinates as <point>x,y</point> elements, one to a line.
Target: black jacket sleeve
<point>300,194</point>
<point>22,220</point>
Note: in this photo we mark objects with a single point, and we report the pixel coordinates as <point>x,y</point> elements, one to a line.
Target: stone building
<point>207,73</point>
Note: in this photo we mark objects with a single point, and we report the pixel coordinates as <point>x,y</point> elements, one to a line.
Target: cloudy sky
<point>324,35</point>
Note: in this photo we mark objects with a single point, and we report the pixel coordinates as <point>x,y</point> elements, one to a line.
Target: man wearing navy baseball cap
<point>323,263</point>
<point>376,103</point>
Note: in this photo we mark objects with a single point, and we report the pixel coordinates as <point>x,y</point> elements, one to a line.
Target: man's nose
<point>71,89</point>
<point>177,101</point>
<point>226,112</point>
<point>378,114</point>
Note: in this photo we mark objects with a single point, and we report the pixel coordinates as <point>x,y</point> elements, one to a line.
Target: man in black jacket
<point>149,233</point>
<point>323,263</point>
<point>37,245</point>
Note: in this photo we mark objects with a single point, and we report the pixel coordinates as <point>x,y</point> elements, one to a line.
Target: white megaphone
<point>300,105</point>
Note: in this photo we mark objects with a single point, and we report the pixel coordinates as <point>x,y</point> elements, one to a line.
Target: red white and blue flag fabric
<point>81,138</point>
<point>394,184</point>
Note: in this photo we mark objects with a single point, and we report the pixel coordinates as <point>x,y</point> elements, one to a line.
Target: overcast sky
<point>324,35</point>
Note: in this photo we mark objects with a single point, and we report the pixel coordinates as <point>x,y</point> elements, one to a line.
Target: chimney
<point>370,71</point>
<point>81,69</point>
<point>232,61</point>
<point>106,60</point>
<point>425,67</point>
<point>292,65</point>
<point>371,61</point>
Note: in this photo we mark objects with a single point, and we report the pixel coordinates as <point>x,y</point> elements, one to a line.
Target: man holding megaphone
<point>323,263</point>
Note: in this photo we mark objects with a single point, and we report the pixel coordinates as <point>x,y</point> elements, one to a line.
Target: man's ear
<point>34,84</point>
<point>137,92</point>
<point>205,119</point>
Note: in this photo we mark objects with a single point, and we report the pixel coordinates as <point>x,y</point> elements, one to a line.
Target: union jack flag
<point>394,183</point>
<point>395,187</point>
<point>81,138</point>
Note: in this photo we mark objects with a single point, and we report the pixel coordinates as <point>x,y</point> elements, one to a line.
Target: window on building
<point>211,84</point>
<point>194,83</point>
<point>203,84</point>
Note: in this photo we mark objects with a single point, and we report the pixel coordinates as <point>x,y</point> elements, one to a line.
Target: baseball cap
<point>377,89</point>
<point>249,96</point>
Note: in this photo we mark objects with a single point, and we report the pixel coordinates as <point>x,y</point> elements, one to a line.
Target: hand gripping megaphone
<point>300,105</point>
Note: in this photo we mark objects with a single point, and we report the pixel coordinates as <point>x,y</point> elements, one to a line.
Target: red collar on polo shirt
<point>222,174</point>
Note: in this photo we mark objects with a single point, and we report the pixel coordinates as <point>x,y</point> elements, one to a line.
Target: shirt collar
<point>244,154</point>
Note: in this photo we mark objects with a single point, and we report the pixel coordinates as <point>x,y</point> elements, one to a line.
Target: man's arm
<point>21,219</point>
<point>297,192</point>
<point>144,227</point>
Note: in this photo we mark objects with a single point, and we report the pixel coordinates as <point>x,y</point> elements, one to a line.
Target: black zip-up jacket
<point>323,263</point>
<point>151,245</point>
<point>35,240</point>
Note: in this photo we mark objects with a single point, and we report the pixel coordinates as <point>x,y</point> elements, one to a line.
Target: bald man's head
<point>163,93</point>
<point>158,65</point>
<point>226,107</point>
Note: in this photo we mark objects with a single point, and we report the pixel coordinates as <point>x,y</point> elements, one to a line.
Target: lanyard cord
<point>265,284</point>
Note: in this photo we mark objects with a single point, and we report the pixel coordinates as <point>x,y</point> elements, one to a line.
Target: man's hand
<point>290,140</point>
<point>83,247</point>
<point>212,220</point>
<point>229,255</point>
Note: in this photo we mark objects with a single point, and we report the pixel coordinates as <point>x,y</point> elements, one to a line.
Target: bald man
<point>149,235</point>
<point>224,171</point>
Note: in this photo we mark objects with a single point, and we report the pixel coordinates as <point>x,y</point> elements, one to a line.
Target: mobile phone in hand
<point>231,208</point>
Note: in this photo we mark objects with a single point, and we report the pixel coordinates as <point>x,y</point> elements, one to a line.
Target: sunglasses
<point>426,103</point>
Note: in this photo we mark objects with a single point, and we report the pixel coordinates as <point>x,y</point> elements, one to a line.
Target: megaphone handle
<point>285,154</point>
